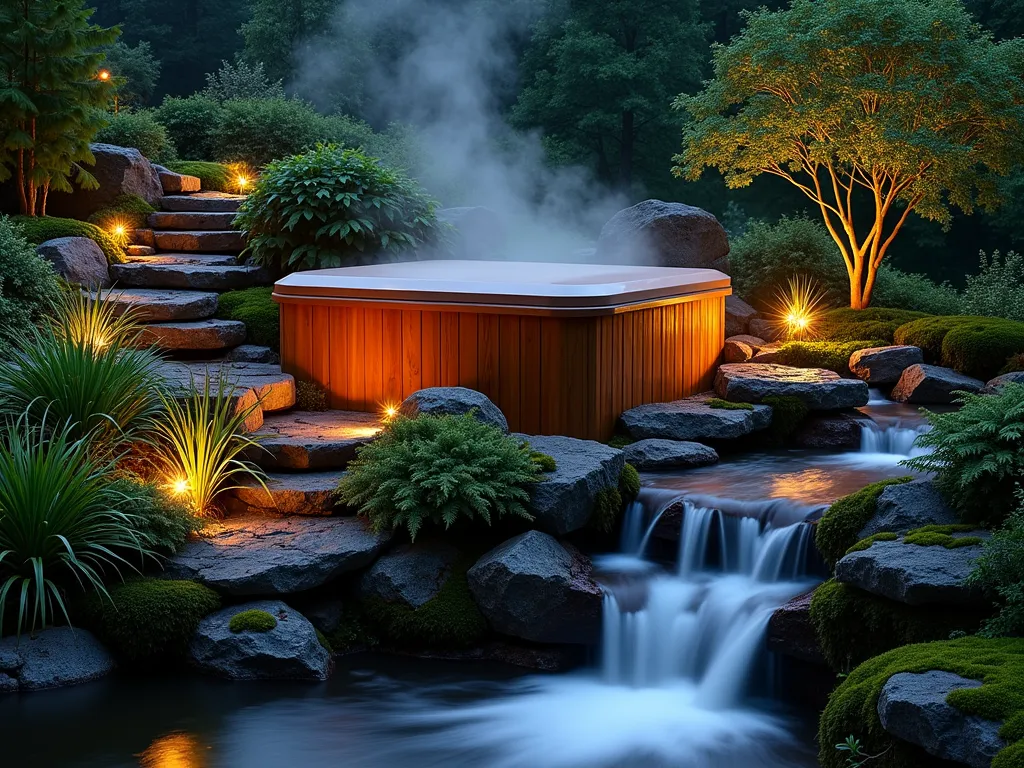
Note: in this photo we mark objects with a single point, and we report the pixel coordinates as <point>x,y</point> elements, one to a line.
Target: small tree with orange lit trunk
<point>871,108</point>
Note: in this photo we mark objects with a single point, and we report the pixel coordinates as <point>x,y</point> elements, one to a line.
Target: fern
<point>439,470</point>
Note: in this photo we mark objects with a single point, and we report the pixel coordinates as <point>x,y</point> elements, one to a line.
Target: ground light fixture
<point>388,412</point>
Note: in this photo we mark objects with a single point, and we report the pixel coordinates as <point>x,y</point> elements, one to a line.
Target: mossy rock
<point>39,229</point>
<point>253,620</point>
<point>259,312</point>
<point>629,482</point>
<point>942,536</point>
<point>621,441</point>
<point>830,355</point>
<point>214,177</point>
<point>130,211</point>
<point>726,405</point>
<point>839,528</point>
<point>788,414</point>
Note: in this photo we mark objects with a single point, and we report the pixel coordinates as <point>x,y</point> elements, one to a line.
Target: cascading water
<point>891,429</point>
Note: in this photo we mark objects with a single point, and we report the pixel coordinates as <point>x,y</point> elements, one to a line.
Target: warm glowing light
<point>389,412</point>
<point>798,307</point>
<point>103,74</point>
<point>179,487</point>
<point>242,182</point>
<point>119,232</point>
<point>175,750</point>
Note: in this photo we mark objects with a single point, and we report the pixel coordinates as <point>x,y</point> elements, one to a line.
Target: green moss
<point>982,347</point>
<point>607,505</point>
<point>853,625</point>
<point>842,522</point>
<point>149,620</point>
<point>620,441</point>
<point>999,664</point>
<point>39,229</point>
<point>324,642</point>
<point>863,544</point>
<point>259,312</point>
<point>726,405</point>
<point>831,355</point>
<point>542,460</point>
<point>629,482</point>
<point>788,413</point>
<point>310,396</point>
<point>928,333</point>
<point>933,539</point>
<point>215,177</point>
<point>252,621</point>
<point>352,633</point>
<point>873,323</point>
<point>448,620</point>
<point>130,210</point>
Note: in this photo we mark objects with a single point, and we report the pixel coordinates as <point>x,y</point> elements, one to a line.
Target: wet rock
<point>654,453</point>
<point>261,555</point>
<point>996,384</point>
<point>410,575</point>
<point>289,651</point>
<point>78,260</point>
<point>738,315</point>
<point>306,493</point>
<point>912,707</point>
<point>564,501</point>
<point>119,171</point>
<point>739,349</point>
<point>906,506</point>
<point>442,401</point>
<point>693,419</point>
<point>884,365</point>
<point>536,589</point>
<point>829,432</point>
<point>791,633</point>
<point>664,234</point>
<point>819,389</point>
<point>932,384</point>
<point>52,658</point>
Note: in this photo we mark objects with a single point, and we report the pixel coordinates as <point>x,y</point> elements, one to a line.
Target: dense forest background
<point>619,125</point>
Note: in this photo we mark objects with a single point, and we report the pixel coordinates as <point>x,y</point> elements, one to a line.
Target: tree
<point>278,27</point>
<point>241,81</point>
<point>51,99</point>
<point>871,109</point>
<point>135,71</point>
<point>600,81</point>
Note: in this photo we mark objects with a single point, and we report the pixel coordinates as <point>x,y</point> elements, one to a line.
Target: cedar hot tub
<point>562,349</point>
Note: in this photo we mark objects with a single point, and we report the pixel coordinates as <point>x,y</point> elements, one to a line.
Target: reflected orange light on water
<point>808,484</point>
<point>175,750</point>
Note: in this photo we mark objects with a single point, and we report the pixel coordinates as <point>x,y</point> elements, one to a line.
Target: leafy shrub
<point>241,80</point>
<point>360,210</point>
<point>215,177</point>
<point>59,522</point>
<point>28,285</point>
<point>39,229</point>
<point>831,355</point>
<point>257,131</point>
<point>981,348</point>
<point>440,470</point>
<point>998,289</point>
<point>140,130</point>
<point>129,210</point>
<point>1000,572</point>
<point>728,405</point>
<point>147,621</point>
<point>788,413</point>
<point>163,523</point>
<point>847,324</point>
<point>977,453</point>
<point>908,291</point>
<point>840,526</point>
<point>259,312</point>
<point>253,620</point>
<point>192,124</point>
<point>310,396</point>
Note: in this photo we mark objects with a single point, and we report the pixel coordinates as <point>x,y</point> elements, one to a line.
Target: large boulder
<point>931,384</point>
<point>52,658</point>
<point>536,589</point>
<point>884,365</point>
<point>829,432</point>
<point>410,575</point>
<point>119,171</point>
<point>738,315</point>
<point>820,390</point>
<point>655,453</point>
<point>289,651</point>
<point>791,632</point>
<point>564,501</point>
<point>479,232</point>
<point>78,260</point>
<point>912,707</point>
<point>443,401</point>
<point>740,349</point>
<point>905,506</point>
<point>913,574</point>
<point>993,386</point>
<point>258,555</point>
<point>657,233</point>
<point>693,418</point>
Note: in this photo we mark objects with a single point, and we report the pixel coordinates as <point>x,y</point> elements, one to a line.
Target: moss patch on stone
<point>788,413</point>
<point>252,621</point>
<point>863,544</point>
<point>620,441</point>
<point>727,405</point>
<point>941,536</point>
<point>542,460</point>
<point>830,355</point>
<point>259,312</point>
<point>629,482</point>
<point>607,505</point>
<point>839,527</point>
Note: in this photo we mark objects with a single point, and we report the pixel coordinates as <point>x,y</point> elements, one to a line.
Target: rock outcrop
<point>411,574</point>
<point>884,365</point>
<point>119,171</point>
<point>820,390</point>
<point>443,401</point>
<point>932,384</point>
<point>52,658</point>
<point>693,418</point>
<point>78,260</point>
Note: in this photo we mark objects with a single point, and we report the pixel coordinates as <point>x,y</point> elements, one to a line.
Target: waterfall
<point>893,438</point>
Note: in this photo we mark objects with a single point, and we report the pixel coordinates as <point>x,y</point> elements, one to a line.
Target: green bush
<point>215,177</point>
<point>982,348</point>
<point>855,324</point>
<point>148,621</point>
<point>440,470</point>
<point>259,312</point>
<point>788,414</point>
<point>140,130</point>
<point>360,211</point>
<point>310,396</point>
<point>39,229</point>
<point>977,453</point>
<point>253,620</point>
<point>164,523</point>
<point>928,334</point>
<point>1000,572</point>
<point>840,526</point>
<point>192,124</point>
<point>906,291</point>
<point>241,80</point>
<point>28,285</point>
<point>831,355</point>
<point>129,210</point>
<point>853,706</point>
<point>998,288</point>
<point>257,131</point>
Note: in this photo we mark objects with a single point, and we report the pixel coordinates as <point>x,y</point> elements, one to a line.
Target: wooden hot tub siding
<point>549,373</point>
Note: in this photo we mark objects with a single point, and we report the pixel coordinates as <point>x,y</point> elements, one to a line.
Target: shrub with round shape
<point>840,526</point>
<point>928,334</point>
<point>831,355</point>
<point>140,130</point>
<point>191,124</point>
<point>847,324</point>
<point>28,285</point>
<point>252,621</point>
<point>982,348</point>
<point>258,131</point>
<point>334,207</point>
<point>164,523</point>
<point>894,288</point>
<point>259,312</point>
<point>39,229</point>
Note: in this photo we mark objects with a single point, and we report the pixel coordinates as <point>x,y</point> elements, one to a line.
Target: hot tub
<point>560,348</point>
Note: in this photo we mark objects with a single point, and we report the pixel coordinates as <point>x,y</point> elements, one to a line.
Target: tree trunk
<point>626,158</point>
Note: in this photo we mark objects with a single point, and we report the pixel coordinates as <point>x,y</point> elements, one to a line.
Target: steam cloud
<point>454,66</point>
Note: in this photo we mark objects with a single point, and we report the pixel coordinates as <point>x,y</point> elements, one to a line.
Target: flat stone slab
<point>262,555</point>
<point>207,202</point>
<point>153,305</point>
<point>932,384</point>
<point>195,335</point>
<point>198,277</point>
<point>199,240</point>
<point>191,220</point>
<point>820,390</point>
<point>138,250</point>
<point>176,183</point>
<point>655,453</point>
<point>884,365</point>
<point>186,259</point>
<point>275,388</point>
<point>305,493</point>
<point>693,419</point>
<point>252,353</point>
<point>912,574</point>
<point>311,440</point>
<point>52,658</point>
<point>912,707</point>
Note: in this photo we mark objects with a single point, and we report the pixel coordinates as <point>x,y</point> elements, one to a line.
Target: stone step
<point>189,276</point>
<point>153,305</point>
<point>177,183</point>
<point>199,241</point>
<point>134,251</point>
<point>195,259</point>
<point>191,220</point>
<point>195,335</point>
<point>307,494</point>
<point>202,202</point>
<point>310,440</point>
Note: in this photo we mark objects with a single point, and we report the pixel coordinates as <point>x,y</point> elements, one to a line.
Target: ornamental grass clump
<point>440,470</point>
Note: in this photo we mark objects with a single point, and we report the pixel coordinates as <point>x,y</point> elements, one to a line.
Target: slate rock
<point>912,707</point>
<point>906,506</point>
<point>884,365</point>
<point>289,651</point>
<point>119,171</point>
<point>655,453</point>
<point>52,658</point>
<point>252,353</point>
<point>829,432</point>
<point>78,260</point>
<point>738,315</point>
<point>656,233</point>
<point>932,384</point>
<point>534,588</point>
<point>791,632</point>
<point>442,401</point>
<point>995,385</point>
<point>313,440</point>
<point>263,555</point>
<point>300,493</point>
<point>819,389</point>
<point>740,349</point>
<point>411,574</point>
<point>692,418</point>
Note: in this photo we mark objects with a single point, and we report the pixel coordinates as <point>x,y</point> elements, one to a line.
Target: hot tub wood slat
<point>392,359</point>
